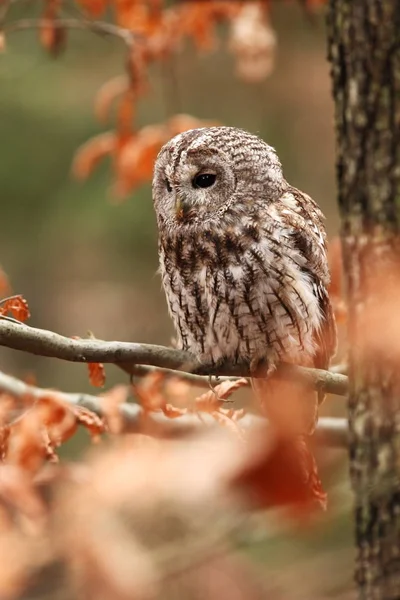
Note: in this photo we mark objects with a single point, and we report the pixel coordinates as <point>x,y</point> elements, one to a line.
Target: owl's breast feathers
<point>254,287</point>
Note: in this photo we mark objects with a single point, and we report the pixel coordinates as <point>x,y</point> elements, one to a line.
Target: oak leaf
<point>88,156</point>
<point>17,306</point>
<point>97,374</point>
<point>212,399</point>
<point>107,94</point>
<point>281,472</point>
<point>94,424</point>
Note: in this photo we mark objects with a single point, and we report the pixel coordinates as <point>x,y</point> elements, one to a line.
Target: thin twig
<point>201,381</point>
<point>129,355</point>
<point>331,432</point>
<point>101,27</point>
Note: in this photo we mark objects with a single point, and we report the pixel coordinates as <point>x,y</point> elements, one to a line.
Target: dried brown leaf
<point>211,400</point>
<point>88,419</point>
<point>17,306</point>
<point>97,374</point>
<point>280,472</point>
<point>88,156</point>
<point>107,94</point>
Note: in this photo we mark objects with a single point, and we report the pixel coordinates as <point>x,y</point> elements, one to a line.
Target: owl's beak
<point>179,207</point>
<point>182,206</point>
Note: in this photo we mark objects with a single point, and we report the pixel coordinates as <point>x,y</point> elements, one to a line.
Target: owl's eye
<point>204,180</point>
<point>168,185</point>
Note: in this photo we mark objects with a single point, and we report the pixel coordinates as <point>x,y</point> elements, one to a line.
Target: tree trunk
<point>364,51</point>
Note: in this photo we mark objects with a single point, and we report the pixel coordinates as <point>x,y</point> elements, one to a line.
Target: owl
<point>242,255</point>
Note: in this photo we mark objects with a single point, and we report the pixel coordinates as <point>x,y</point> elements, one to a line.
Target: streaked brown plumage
<point>242,254</point>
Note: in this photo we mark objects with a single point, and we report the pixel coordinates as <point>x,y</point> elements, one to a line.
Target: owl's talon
<point>212,387</point>
<point>210,383</point>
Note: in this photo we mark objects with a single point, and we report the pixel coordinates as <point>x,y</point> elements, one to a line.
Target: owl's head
<point>206,174</point>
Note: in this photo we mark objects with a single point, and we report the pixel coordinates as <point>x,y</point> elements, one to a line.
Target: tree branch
<point>331,432</point>
<point>128,355</point>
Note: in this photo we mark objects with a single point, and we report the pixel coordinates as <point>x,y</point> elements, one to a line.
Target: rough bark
<point>364,51</point>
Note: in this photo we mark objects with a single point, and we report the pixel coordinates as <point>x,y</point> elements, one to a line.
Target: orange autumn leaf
<point>52,36</point>
<point>178,389</point>
<point>210,403</point>
<point>97,375</point>
<point>25,445</point>
<point>57,420</point>
<point>141,17</point>
<point>195,23</point>
<point>61,419</point>
<point>211,400</point>
<point>281,472</point>
<point>150,391</point>
<point>88,156</point>
<point>172,412</point>
<point>48,421</point>
<point>95,8</point>
<point>17,306</point>
<point>230,419</point>
<point>164,36</point>
<point>158,393</point>
<point>133,154</point>
<point>197,20</point>
<point>94,424</point>
<point>136,67</point>
<point>107,94</point>
<point>126,112</point>
<point>135,163</point>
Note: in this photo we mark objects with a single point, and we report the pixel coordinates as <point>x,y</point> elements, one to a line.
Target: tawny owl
<point>242,253</point>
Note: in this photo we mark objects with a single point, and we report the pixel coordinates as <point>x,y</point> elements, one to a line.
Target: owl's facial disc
<point>193,185</point>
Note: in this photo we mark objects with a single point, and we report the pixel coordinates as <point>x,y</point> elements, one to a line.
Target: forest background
<point>86,260</point>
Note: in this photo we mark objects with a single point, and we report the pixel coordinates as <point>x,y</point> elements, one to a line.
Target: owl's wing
<point>305,220</point>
